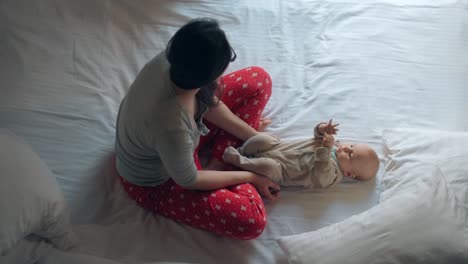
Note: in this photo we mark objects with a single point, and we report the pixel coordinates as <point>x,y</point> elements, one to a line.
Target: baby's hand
<point>328,140</point>
<point>328,128</point>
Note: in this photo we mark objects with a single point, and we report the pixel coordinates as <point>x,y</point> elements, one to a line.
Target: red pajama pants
<point>237,211</point>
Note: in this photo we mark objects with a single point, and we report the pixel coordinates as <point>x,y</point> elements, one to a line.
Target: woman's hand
<point>266,187</point>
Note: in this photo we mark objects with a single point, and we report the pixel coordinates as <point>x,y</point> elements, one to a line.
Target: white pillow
<point>30,199</point>
<point>447,150</point>
<point>425,225</point>
<point>424,145</point>
<point>422,217</point>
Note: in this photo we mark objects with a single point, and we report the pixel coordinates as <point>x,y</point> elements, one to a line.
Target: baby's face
<point>352,158</point>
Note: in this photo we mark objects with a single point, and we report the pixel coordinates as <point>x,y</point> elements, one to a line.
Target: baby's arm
<point>324,170</point>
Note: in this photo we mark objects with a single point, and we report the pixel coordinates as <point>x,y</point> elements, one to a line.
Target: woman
<point>160,124</point>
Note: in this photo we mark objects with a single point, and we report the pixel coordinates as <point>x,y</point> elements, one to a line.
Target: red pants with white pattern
<point>237,211</point>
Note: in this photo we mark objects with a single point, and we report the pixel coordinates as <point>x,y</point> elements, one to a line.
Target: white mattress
<point>370,65</point>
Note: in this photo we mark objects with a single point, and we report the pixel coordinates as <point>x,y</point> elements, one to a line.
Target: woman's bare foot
<point>263,123</point>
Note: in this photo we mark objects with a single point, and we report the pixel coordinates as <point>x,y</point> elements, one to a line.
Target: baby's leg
<point>258,143</point>
<point>264,166</point>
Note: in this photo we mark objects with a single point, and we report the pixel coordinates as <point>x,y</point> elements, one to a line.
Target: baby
<point>319,162</point>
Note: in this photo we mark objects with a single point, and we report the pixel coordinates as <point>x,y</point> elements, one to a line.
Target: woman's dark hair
<point>198,54</point>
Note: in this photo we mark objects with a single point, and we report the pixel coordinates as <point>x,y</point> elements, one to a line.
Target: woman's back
<point>149,119</point>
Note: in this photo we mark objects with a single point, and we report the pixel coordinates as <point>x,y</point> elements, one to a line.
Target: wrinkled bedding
<point>369,65</point>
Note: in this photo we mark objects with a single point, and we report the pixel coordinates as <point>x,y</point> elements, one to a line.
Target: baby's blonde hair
<point>367,166</point>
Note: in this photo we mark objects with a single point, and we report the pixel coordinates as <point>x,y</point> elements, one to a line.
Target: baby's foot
<point>231,155</point>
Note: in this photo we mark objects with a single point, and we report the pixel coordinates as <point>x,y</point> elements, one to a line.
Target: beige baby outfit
<point>298,163</point>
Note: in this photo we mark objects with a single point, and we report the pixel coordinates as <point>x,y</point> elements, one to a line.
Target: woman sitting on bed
<point>178,103</point>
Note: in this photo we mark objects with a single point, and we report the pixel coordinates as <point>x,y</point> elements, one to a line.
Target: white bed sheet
<point>370,65</point>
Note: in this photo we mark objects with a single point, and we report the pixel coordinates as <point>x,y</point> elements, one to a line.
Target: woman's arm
<point>213,180</point>
<point>221,116</point>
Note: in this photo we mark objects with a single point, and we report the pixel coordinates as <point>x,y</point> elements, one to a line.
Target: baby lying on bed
<point>318,162</point>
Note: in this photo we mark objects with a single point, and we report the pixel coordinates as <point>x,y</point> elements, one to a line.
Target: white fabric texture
<point>430,145</point>
<point>27,251</point>
<point>59,257</point>
<point>31,201</point>
<point>370,64</point>
<point>445,149</point>
<point>422,217</point>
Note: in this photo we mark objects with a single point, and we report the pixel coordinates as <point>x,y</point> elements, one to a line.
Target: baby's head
<point>357,161</point>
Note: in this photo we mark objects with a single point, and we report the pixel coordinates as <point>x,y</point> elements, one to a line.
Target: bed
<point>373,66</point>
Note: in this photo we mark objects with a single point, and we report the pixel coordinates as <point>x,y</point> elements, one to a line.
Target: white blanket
<point>65,66</point>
